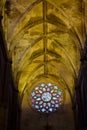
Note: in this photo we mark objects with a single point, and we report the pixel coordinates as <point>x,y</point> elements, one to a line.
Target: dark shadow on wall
<point>9,106</point>
<point>81,93</point>
<point>14,109</point>
<point>62,119</point>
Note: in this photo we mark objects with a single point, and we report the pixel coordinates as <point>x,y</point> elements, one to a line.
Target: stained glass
<point>46,97</point>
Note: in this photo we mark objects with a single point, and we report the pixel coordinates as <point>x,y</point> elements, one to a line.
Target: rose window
<point>46,97</point>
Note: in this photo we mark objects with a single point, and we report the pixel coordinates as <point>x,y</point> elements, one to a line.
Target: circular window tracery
<point>46,97</point>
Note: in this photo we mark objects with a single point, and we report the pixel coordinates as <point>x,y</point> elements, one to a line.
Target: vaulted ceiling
<point>45,39</point>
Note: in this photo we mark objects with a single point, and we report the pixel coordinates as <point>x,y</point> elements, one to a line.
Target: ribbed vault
<point>45,39</point>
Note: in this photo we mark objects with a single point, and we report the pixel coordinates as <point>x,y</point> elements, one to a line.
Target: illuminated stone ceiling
<point>45,39</point>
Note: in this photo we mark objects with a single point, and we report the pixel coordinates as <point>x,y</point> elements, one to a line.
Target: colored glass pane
<point>46,97</point>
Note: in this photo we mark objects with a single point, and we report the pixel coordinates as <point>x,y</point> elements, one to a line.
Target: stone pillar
<point>9,107</point>
<point>5,66</point>
<point>81,93</point>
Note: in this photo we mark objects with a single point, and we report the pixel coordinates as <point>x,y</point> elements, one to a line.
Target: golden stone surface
<point>45,39</point>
